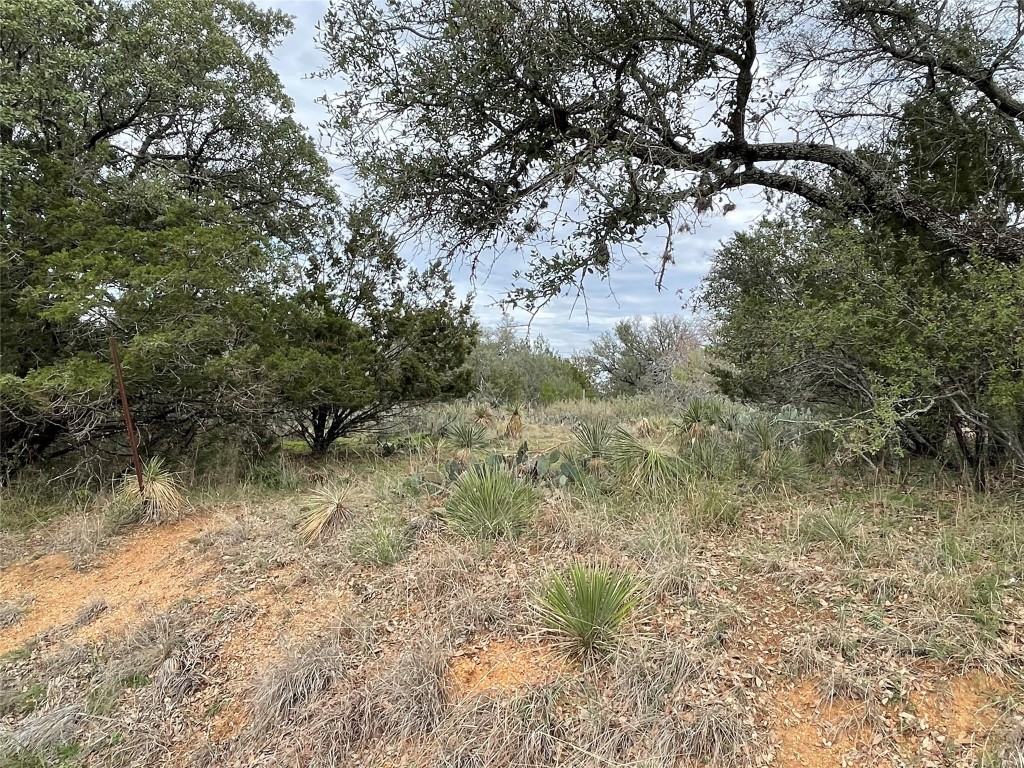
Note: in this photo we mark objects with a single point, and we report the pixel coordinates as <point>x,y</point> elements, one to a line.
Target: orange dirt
<point>502,666</point>
<point>286,612</point>
<point>149,570</point>
<point>815,734</point>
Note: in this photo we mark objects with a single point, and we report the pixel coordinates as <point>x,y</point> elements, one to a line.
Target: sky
<point>565,322</point>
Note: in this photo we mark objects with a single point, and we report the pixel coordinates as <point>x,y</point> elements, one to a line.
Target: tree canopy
<point>643,355</point>
<point>584,125</point>
<point>157,190</point>
<point>511,368</point>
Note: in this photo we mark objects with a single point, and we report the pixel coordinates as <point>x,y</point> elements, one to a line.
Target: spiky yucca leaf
<point>642,467</point>
<point>489,503</point>
<point>160,500</point>
<point>593,438</point>
<point>327,512</point>
<point>587,608</point>
<point>466,436</point>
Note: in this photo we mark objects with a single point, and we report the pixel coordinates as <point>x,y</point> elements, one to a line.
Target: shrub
<point>489,503</point>
<point>588,607</point>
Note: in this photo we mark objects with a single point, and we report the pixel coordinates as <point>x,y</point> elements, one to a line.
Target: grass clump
<point>489,503</point>
<point>160,499</point>
<point>836,528</point>
<point>327,512</point>
<point>587,607</point>
<point>382,542</point>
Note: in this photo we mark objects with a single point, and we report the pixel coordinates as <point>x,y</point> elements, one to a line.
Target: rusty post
<point>115,357</point>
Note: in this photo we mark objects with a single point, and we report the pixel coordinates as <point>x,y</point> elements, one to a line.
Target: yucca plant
<point>640,466</point>
<point>698,417</point>
<point>586,608</point>
<point>764,433</point>
<point>159,501</point>
<point>483,415</point>
<point>466,437</point>
<point>819,446</point>
<point>594,441</point>
<point>711,455</point>
<point>781,468</point>
<point>326,512</point>
<point>490,503</point>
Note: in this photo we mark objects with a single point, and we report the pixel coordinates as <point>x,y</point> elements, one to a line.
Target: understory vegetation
<point>633,585</point>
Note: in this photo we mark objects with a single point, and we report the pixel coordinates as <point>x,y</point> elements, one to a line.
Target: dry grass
<point>286,690</point>
<point>868,593</point>
<point>410,695</point>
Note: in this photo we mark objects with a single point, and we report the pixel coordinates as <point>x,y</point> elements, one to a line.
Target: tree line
<point>158,190</point>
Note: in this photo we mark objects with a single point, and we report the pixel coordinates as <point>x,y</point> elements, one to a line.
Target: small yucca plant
<point>594,441</point>
<point>160,500</point>
<point>489,503</point>
<point>586,608</point>
<point>327,511</point>
<point>640,466</point>
<point>781,468</point>
<point>765,434</point>
<point>467,438</point>
<point>483,415</point>
<point>699,416</point>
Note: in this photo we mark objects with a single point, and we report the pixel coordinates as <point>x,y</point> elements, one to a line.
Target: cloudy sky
<point>565,322</point>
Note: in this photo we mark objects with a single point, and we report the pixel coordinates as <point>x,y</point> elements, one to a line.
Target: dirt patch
<point>150,570</point>
<point>958,717</point>
<point>503,666</point>
<point>820,735</point>
<point>286,610</point>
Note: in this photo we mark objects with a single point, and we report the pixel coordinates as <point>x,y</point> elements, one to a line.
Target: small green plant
<point>489,503</point>
<point>483,415</point>
<point>836,528</point>
<point>382,542</point>
<point>594,440</point>
<point>819,447</point>
<point>952,552</point>
<point>642,467</point>
<point>159,501</point>
<point>466,437</point>
<point>587,608</point>
<point>711,455</point>
<point>327,511</point>
<point>780,468</point>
